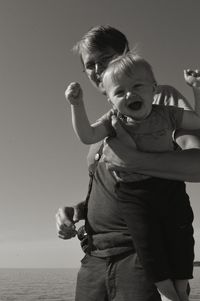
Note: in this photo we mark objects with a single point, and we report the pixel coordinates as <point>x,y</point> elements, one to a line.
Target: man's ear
<point>155,85</point>
<point>109,101</point>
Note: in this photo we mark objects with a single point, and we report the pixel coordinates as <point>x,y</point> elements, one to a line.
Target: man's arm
<point>180,165</point>
<point>120,154</point>
<point>186,140</point>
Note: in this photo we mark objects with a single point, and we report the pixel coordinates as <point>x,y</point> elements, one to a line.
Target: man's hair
<point>127,63</point>
<point>100,38</point>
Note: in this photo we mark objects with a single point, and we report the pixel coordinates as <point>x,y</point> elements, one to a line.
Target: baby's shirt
<point>153,134</point>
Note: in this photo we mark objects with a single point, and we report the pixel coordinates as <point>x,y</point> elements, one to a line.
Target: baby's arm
<point>191,119</point>
<point>192,78</point>
<point>87,133</point>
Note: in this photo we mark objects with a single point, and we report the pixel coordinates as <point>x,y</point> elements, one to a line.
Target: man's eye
<point>89,66</point>
<point>119,93</point>
<point>105,60</point>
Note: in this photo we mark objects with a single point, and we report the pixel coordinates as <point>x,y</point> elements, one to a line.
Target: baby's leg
<point>167,290</point>
<point>136,204</point>
<point>181,288</point>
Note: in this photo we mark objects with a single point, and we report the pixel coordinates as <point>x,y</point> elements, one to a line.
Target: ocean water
<point>195,285</point>
<point>53,284</point>
<point>37,284</point>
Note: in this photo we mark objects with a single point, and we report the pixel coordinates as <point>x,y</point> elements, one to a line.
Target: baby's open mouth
<point>136,105</point>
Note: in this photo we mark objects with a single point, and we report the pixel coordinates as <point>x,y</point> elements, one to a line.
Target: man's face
<point>95,64</point>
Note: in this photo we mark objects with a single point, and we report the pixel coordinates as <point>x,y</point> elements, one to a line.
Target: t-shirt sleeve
<point>105,120</point>
<point>168,95</point>
<point>175,116</point>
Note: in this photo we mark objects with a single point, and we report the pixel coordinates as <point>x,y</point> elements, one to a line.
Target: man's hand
<point>74,94</point>
<point>120,151</point>
<point>66,218</point>
<point>192,78</point>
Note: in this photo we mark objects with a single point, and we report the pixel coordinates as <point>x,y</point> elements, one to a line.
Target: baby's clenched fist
<point>74,94</point>
<point>192,78</point>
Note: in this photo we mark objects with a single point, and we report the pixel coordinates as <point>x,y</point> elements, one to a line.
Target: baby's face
<point>132,96</point>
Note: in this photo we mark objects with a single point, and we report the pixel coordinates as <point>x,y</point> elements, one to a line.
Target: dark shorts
<point>159,218</point>
<point>116,278</point>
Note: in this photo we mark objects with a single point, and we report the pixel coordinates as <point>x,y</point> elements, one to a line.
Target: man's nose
<point>98,68</point>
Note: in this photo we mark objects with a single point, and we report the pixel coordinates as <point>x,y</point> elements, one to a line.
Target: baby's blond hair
<point>127,63</point>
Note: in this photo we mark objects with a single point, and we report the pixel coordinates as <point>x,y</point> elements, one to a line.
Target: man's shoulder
<point>165,88</point>
<point>170,96</point>
<point>165,93</point>
<point>94,153</point>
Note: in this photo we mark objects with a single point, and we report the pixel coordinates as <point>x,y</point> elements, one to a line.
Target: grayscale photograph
<point>100,150</point>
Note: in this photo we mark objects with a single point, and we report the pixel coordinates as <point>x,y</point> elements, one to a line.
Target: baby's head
<point>129,83</point>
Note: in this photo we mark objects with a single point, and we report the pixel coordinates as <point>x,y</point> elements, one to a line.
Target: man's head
<point>97,48</point>
<point>129,83</point>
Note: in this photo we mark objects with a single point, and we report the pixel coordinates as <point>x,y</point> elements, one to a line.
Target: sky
<point>42,163</point>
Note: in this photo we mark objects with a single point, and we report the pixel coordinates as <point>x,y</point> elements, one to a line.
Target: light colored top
<point>153,134</point>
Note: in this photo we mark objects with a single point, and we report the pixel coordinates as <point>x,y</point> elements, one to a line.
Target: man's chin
<point>101,88</point>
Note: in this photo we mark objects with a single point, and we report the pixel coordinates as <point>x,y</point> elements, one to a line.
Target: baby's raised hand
<point>74,94</point>
<point>192,78</point>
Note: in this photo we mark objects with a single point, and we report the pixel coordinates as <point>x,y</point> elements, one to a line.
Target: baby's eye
<point>138,86</point>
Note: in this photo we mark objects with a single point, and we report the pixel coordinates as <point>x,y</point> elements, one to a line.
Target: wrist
<point>138,162</point>
<point>80,208</point>
<point>78,103</point>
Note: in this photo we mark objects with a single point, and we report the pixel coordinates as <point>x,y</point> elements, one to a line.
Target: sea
<point>54,284</point>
